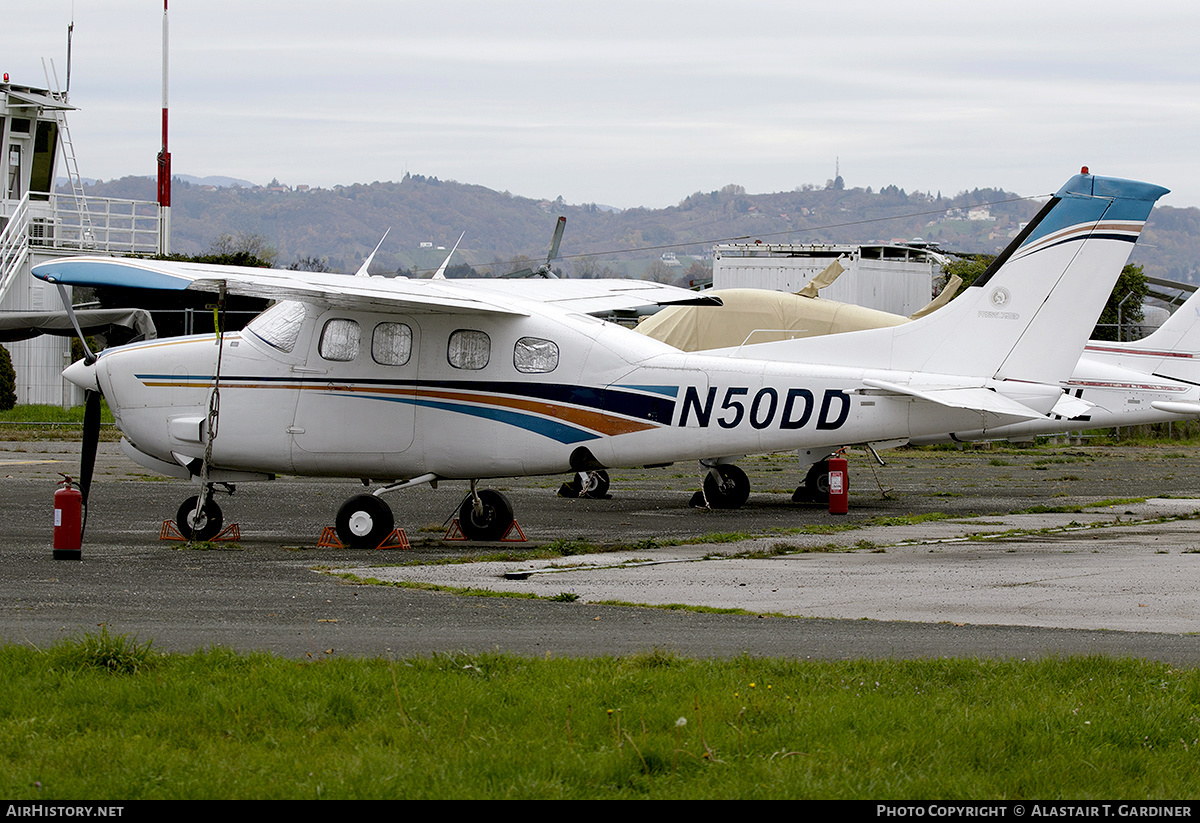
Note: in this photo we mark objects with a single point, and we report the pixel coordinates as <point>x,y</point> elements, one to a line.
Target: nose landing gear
<point>199,521</point>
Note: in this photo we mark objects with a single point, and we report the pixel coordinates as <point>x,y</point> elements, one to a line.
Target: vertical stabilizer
<point>1029,315</point>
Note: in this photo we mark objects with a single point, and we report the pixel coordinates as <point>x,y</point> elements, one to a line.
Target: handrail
<point>65,224</point>
<point>100,225</point>
<point>14,245</point>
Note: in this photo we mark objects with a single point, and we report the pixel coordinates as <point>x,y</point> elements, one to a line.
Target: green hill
<point>503,231</point>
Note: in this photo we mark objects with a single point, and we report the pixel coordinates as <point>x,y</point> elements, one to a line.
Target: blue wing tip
<point>114,272</point>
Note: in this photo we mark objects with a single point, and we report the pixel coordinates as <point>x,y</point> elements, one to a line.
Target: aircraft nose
<point>83,375</point>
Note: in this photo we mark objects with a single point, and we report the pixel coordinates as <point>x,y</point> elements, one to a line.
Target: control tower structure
<point>39,222</point>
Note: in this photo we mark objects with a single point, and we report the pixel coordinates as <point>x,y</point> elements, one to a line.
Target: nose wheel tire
<point>493,519</point>
<point>204,526</point>
<point>364,521</point>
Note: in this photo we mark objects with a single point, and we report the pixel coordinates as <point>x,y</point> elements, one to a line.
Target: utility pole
<point>164,156</point>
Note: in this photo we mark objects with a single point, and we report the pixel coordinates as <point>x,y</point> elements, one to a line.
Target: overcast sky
<point>631,102</point>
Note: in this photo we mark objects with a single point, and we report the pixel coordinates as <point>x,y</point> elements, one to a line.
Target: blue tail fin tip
<point>1091,185</point>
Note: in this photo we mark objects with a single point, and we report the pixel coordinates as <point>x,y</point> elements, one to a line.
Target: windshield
<point>279,326</point>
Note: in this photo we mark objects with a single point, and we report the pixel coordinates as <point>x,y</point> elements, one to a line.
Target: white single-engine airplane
<point>416,381</point>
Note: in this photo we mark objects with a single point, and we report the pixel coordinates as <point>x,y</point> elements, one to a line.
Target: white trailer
<point>893,278</point>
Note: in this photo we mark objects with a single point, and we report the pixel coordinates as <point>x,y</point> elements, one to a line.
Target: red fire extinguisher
<point>839,485</point>
<point>68,521</point>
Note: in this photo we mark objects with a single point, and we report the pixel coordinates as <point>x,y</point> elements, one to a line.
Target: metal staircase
<point>14,245</point>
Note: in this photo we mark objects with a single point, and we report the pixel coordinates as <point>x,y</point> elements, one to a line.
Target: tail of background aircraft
<point>1173,350</point>
<point>1029,315</point>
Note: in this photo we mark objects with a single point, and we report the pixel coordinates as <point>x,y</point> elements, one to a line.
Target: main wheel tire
<point>364,521</point>
<point>204,526</point>
<point>492,522</point>
<point>730,489</point>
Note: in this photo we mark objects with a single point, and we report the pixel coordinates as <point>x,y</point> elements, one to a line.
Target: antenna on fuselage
<point>440,274</point>
<point>362,270</point>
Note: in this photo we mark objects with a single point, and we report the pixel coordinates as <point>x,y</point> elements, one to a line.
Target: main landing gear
<point>365,520</point>
<point>485,515</point>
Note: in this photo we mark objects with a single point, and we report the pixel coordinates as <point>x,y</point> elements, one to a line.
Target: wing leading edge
<point>481,296</point>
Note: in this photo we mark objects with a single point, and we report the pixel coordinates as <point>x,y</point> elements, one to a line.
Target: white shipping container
<point>892,278</point>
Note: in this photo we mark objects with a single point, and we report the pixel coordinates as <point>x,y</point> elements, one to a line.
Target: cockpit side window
<point>340,339</point>
<point>279,326</point>
<point>533,355</point>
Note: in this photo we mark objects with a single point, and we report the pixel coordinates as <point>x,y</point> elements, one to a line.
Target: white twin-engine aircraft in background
<point>404,382</point>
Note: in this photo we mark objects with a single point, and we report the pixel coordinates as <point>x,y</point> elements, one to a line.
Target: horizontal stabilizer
<point>974,398</point>
<point>1068,406</point>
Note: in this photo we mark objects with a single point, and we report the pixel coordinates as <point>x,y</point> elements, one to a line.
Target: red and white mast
<point>164,156</point>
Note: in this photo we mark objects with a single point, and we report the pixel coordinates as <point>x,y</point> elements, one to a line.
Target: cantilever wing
<point>345,291</point>
<point>483,296</point>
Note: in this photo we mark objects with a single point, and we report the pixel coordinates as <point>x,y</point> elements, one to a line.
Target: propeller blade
<point>544,269</point>
<point>559,228</point>
<point>91,441</point>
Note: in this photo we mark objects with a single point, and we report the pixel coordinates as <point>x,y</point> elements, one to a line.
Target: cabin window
<point>532,355</point>
<point>391,344</point>
<point>340,339</point>
<point>279,326</point>
<point>469,349</point>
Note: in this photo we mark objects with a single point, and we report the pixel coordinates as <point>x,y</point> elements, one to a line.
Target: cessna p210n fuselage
<point>414,381</point>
